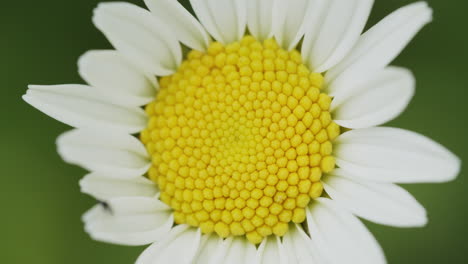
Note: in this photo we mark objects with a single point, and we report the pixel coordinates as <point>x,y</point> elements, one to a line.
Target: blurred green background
<point>41,205</point>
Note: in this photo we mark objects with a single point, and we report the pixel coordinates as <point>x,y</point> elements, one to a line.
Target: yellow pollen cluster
<point>239,138</point>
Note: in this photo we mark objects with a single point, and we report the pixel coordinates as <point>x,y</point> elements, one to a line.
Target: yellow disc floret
<point>239,138</point>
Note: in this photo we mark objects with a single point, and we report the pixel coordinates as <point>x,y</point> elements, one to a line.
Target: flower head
<point>259,145</point>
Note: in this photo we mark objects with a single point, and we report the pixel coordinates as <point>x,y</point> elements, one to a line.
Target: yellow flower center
<point>239,138</point>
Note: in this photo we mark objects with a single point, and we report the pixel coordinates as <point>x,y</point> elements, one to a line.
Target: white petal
<point>251,254</point>
<point>382,203</point>
<point>212,249</point>
<point>379,46</point>
<point>113,154</point>
<point>299,247</point>
<point>260,18</point>
<point>394,155</point>
<point>82,106</point>
<point>186,28</point>
<point>339,236</point>
<point>379,99</point>
<point>233,250</point>
<point>240,251</point>
<point>129,221</point>
<point>334,31</point>
<point>104,187</point>
<point>140,37</point>
<point>116,78</point>
<point>225,20</point>
<point>289,20</point>
<point>312,27</point>
<point>179,246</point>
<point>271,251</point>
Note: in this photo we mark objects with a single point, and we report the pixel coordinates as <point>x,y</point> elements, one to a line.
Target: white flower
<point>240,138</point>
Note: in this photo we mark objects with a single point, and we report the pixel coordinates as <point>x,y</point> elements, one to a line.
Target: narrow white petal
<point>82,106</point>
<point>379,99</point>
<point>212,249</point>
<point>104,187</point>
<point>271,251</point>
<point>219,254</point>
<point>382,203</point>
<point>394,155</point>
<point>233,250</point>
<point>225,20</point>
<point>380,45</point>
<point>260,18</point>
<point>116,78</point>
<point>337,30</point>
<point>240,251</point>
<point>112,154</point>
<point>299,247</point>
<point>186,28</point>
<point>251,254</point>
<point>179,246</point>
<point>312,27</point>
<point>289,20</point>
<point>339,236</point>
<point>129,221</point>
<point>139,36</point>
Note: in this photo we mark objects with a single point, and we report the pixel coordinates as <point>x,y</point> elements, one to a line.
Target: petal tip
<point>26,98</point>
<point>83,184</point>
<point>83,59</point>
<point>456,167</point>
<point>35,87</point>
<point>423,6</point>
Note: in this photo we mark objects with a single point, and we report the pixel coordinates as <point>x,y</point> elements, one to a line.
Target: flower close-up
<point>249,132</point>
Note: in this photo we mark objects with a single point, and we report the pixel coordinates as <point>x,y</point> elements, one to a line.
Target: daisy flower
<point>259,144</point>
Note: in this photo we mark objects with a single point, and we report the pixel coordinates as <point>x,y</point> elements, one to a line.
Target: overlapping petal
<point>260,18</point>
<point>187,29</point>
<point>378,99</point>
<point>289,21</point>
<point>115,78</point>
<point>225,20</point>
<point>142,38</point>
<point>179,246</point>
<point>331,30</point>
<point>82,106</point>
<point>113,154</point>
<point>129,221</point>
<point>271,251</point>
<point>104,187</point>
<point>212,250</point>
<point>299,247</point>
<point>240,251</point>
<point>394,155</point>
<point>339,236</point>
<point>382,203</point>
<point>379,46</point>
